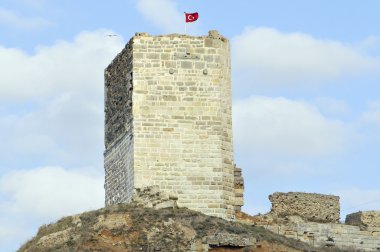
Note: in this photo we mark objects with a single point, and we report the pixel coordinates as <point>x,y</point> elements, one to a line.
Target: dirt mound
<point>132,228</point>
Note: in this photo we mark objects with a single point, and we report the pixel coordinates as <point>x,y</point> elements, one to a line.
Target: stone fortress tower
<point>168,122</point>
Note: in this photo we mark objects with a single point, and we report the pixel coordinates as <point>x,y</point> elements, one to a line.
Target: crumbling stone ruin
<point>309,206</point>
<point>238,189</point>
<point>314,219</point>
<point>365,220</point>
<point>168,123</point>
<point>153,197</point>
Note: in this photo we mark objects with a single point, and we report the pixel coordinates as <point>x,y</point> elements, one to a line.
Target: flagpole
<point>190,17</point>
<point>185,24</point>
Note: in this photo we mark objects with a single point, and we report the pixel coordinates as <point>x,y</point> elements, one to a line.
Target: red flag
<point>191,17</point>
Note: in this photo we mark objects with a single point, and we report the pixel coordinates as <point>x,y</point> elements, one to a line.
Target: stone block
<point>165,204</point>
<point>187,64</point>
<point>310,206</point>
<point>364,219</point>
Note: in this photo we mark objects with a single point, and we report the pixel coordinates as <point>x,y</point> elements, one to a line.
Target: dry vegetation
<point>143,229</point>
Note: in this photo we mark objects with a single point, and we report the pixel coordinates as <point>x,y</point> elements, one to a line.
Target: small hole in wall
<point>171,71</point>
<point>205,71</point>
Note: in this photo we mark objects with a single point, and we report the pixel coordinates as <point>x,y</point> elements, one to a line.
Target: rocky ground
<point>133,228</point>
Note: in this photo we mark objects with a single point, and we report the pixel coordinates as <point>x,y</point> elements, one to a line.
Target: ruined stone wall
<point>118,156</point>
<point>309,206</point>
<point>172,95</point>
<point>364,235</point>
<point>118,78</point>
<point>364,219</point>
<point>239,189</point>
<point>346,237</point>
<point>119,174</point>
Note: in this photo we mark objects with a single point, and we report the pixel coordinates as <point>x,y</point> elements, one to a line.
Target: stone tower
<point>168,122</point>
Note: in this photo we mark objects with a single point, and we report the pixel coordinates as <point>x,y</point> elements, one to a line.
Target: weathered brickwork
<point>118,97</point>
<point>309,206</point>
<point>364,219</point>
<point>239,189</point>
<point>118,157</point>
<point>168,122</point>
<point>119,174</point>
<point>346,237</point>
<point>363,233</point>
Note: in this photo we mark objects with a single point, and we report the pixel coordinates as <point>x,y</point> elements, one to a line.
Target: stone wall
<point>345,237</point>
<point>118,78</point>
<point>118,137</point>
<point>309,206</point>
<point>364,219</point>
<point>119,173</point>
<point>153,197</point>
<point>292,214</point>
<point>239,189</point>
<point>169,98</point>
<point>342,236</point>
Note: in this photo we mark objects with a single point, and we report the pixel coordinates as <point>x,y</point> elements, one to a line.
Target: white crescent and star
<point>190,17</point>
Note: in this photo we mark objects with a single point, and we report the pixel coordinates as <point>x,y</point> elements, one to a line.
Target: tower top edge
<point>214,34</point>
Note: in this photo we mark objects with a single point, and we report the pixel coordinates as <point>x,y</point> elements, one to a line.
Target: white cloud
<point>285,127</point>
<point>11,237</point>
<point>11,18</point>
<point>274,58</point>
<point>370,42</point>
<point>52,113</point>
<point>51,192</point>
<point>62,122</point>
<point>63,67</point>
<point>31,198</point>
<point>163,14</point>
<point>372,115</point>
<point>331,106</point>
<point>66,130</point>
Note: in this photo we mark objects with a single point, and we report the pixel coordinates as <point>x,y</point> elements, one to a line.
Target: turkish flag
<point>191,17</point>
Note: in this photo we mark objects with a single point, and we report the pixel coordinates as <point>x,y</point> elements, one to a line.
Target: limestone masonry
<point>364,219</point>
<point>309,206</point>
<point>346,237</point>
<point>313,218</point>
<point>168,122</point>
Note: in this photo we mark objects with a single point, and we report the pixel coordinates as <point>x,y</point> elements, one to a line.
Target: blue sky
<point>306,100</point>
